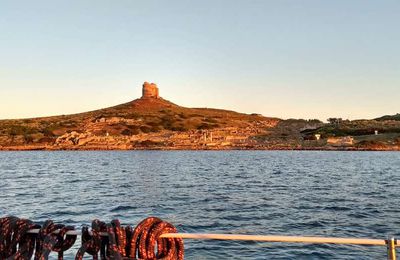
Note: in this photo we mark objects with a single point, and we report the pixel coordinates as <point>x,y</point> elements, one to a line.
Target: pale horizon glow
<point>287,59</point>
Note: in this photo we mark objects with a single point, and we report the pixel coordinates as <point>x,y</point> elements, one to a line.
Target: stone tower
<point>150,90</point>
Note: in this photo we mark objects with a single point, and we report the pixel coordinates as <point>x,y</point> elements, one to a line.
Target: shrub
<point>149,143</point>
<point>135,130</point>
<point>48,132</point>
<point>156,128</point>
<point>21,130</point>
<point>132,116</point>
<point>371,144</point>
<point>152,123</point>
<point>145,129</point>
<point>126,132</point>
<point>28,138</point>
<point>205,126</point>
<point>210,120</point>
<point>182,115</point>
<point>179,128</point>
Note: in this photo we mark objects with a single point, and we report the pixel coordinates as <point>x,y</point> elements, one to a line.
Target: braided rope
<point>147,234</point>
<point>91,244</point>
<point>47,241</point>
<point>64,243</point>
<point>14,234</point>
<point>21,239</point>
<point>121,243</point>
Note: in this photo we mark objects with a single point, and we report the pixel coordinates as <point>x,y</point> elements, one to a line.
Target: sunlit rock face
<point>150,90</point>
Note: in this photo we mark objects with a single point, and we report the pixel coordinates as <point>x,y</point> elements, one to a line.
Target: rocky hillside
<point>151,122</point>
<point>148,122</point>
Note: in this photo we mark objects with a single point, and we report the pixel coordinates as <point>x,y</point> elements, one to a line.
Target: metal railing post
<point>391,248</point>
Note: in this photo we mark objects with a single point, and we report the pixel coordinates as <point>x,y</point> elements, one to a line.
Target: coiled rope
<point>147,234</point>
<point>14,234</point>
<point>17,242</point>
<point>48,241</point>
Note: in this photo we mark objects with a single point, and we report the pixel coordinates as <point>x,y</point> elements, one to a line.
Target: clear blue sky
<point>290,59</point>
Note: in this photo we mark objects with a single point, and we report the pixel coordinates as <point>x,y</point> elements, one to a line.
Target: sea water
<point>336,194</point>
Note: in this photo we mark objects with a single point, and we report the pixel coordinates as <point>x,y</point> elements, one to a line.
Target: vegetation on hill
<point>389,117</point>
<point>354,128</point>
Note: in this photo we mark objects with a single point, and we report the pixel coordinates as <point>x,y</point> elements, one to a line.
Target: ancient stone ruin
<point>150,90</point>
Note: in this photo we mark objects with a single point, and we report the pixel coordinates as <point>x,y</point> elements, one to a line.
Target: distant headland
<point>152,122</point>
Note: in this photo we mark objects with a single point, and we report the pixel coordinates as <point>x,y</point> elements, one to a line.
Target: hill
<point>152,122</point>
<point>142,123</point>
<point>389,117</point>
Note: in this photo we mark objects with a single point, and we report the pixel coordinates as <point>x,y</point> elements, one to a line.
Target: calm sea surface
<point>340,194</point>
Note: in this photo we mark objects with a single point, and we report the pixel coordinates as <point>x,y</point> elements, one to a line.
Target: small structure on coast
<point>150,90</point>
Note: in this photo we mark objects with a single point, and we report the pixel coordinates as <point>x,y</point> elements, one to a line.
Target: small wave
<point>337,208</point>
<point>122,208</point>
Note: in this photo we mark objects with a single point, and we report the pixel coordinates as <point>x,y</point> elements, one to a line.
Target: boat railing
<point>390,243</point>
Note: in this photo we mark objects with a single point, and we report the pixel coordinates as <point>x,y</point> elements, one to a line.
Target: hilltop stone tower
<point>150,90</point>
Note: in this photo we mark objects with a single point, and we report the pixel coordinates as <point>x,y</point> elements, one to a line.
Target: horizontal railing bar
<point>288,239</point>
<point>262,238</point>
<point>71,232</point>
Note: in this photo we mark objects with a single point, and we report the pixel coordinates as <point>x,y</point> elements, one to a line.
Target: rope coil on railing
<point>21,239</point>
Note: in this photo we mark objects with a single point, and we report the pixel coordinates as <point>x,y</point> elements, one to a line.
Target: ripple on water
<point>251,192</point>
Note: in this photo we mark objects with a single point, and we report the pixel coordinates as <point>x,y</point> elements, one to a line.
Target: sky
<point>287,59</point>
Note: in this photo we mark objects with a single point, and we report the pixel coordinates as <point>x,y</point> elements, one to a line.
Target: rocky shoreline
<point>153,123</point>
<point>216,148</point>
